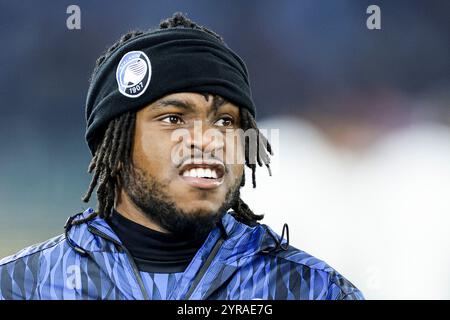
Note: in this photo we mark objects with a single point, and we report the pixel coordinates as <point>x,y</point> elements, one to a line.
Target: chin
<point>201,207</point>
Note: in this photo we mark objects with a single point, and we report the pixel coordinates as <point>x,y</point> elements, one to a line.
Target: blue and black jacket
<point>236,262</point>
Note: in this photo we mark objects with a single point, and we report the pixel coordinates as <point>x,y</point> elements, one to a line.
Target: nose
<point>204,138</point>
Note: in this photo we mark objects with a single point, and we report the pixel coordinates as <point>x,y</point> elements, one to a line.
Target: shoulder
<point>296,265</point>
<point>20,272</point>
<point>33,250</point>
<point>329,282</point>
<point>335,285</point>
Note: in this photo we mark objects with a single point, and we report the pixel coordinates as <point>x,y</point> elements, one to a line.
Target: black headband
<point>162,62</point>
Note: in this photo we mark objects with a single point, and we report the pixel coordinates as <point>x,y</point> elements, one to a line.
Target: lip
<point>203,183</point>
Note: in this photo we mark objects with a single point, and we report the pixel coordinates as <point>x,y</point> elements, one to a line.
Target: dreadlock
<point>114,150</point>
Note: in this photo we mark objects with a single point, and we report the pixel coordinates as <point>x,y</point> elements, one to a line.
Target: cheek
<point>237,171</point>
<point>152,152</point>
<point>234,157</point>
<point>233,148</point>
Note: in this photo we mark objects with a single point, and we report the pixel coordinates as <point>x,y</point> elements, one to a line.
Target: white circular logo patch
<point>133,74</point>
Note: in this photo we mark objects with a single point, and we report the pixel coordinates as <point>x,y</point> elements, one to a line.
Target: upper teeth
<point>200,173</point>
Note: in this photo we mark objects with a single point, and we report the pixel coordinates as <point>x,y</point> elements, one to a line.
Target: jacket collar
<point>242,238</point>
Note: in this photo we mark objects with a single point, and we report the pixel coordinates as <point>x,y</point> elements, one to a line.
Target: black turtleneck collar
<point>153,251</point>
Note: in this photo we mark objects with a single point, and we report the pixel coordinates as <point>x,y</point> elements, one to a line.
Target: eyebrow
<point>183,104</point>
<point>218,102</point>
<point>176,103</point>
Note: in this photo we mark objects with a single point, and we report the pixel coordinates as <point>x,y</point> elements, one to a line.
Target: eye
<point>225,122</point>
<point>172,119</point>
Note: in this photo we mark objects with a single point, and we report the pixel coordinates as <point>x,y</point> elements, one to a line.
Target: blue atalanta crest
<point>133,74</point>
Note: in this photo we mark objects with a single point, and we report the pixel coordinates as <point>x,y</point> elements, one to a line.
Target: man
<point>170,222</point>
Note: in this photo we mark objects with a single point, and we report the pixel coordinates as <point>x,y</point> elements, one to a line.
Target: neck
<point>126,207</point>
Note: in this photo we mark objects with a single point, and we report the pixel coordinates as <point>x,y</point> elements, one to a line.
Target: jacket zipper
<point>204,268</point>
<point>130,258</point>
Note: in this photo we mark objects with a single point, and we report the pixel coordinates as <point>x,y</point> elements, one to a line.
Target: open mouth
<point>203,175</point>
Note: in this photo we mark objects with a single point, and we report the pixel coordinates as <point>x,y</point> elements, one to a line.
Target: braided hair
<point>114,150</point>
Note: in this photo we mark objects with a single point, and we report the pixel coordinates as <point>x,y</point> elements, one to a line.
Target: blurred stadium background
<point>362,171</point>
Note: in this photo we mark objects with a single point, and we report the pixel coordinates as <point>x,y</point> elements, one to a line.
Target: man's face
<point>179,157</point>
